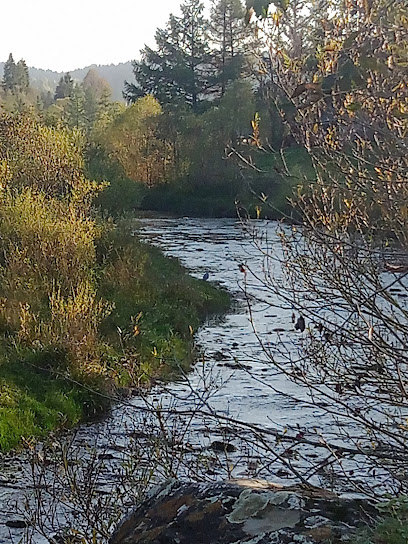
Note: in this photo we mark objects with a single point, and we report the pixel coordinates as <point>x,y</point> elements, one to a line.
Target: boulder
<point>238,511</point>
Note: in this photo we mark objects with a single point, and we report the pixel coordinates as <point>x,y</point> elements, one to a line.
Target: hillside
<point>115,75</point>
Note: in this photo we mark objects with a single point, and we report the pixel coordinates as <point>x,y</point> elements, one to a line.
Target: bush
<point>48,266</point>
<point>80,300</point>
<point>48,263</point>
<point>391,528</point>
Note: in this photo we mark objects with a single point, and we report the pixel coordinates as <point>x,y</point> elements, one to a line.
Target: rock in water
<point>300,324</point>
<point>16,524</point>
<point>219,445</point>
<point>241,511</point>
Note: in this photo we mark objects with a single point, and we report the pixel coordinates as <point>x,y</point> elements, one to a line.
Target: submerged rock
<point>218,445</point>
<point>16,524</point>
<point>241,511</point>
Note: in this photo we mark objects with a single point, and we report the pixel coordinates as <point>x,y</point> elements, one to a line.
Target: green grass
<point>38,389</point>
<point>390,528</point>
<point>161,300</point>
<point>34,402</point>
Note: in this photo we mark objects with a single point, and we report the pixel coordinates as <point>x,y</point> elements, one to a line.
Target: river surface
<point>174,430</point>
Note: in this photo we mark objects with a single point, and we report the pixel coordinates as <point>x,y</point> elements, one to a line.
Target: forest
<point>293,110</point>
<point>198,101</point>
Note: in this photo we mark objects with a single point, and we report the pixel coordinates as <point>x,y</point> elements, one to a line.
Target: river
<point>174,430</point>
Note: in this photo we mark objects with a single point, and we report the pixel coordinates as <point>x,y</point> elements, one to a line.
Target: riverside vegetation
<point>197,101</point>
<point>82,301</point>
<point>306,96</point>
<point>85,307</point>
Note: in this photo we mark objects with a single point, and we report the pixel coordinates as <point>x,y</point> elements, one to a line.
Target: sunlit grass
<point>155,309</point>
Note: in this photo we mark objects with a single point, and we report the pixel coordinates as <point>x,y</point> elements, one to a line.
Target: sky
<point>72,34</point>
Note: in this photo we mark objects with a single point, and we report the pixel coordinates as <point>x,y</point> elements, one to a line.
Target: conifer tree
<point>228,32</point>
<point>65,86</point>
<point>22,77</point>
<point>179,70</point>
<point>75,110</point>
<point>9,75</point>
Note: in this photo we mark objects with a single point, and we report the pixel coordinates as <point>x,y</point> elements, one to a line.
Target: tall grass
<point>81,301</point>
<point>47,277</point>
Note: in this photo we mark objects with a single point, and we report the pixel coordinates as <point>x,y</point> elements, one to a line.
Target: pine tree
<point>65,86</point>
<point>9,75</point>
<point>180,69</point>
<point>22,77</point>
<point>228,32</point>
<point>75,110</point>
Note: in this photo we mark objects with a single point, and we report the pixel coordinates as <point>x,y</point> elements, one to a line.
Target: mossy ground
<point>33,402</point>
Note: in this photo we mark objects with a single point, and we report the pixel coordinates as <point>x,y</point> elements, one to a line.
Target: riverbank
<point>155,307</point>
<point>264,193</point>
<point>253,411</point>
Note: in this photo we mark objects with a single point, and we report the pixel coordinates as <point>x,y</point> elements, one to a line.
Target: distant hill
<point>115,75</point>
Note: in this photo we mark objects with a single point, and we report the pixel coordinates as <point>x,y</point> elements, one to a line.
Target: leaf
<point>349,42</point>
<point>332,46</point>
<point>300,89</point>
<point>288,110</point>
<point>374,65</point>
<point>350,75</point>
<point>328,83</point>
<point>315,88</point>
<point>353,106</point>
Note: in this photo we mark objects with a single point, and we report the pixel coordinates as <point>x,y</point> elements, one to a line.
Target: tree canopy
<point>65,87</point>
<point>194,58</point>
<point>15,76</point>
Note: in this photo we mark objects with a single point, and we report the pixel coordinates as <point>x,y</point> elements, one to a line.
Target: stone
<point>219,445</point>
<point>16,524</point>
<point>242,511</point>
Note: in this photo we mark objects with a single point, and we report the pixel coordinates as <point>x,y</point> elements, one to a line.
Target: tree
<point>75,114</point>
<point>96,85</point>
<point>9,75</point>
<point>65,87</point>
<point>210,134</point>
<point>344,273</point>
<point>132,140</point>
<point>42,158</point>
<point>22,78</point>
<point>46,99</point>
<point>179,70</point>
<point>97,94</point>
<point>228,32</point>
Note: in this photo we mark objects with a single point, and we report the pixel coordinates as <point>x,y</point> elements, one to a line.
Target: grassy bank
<point>155,307</point>
<point>84,307</point>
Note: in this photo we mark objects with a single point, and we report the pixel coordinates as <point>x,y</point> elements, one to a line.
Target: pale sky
<point>69,34</point>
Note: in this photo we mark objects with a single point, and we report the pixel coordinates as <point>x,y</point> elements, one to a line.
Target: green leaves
<point>373,64</point>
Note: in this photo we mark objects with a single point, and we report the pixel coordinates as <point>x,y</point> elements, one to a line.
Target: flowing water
<point>232,378</point>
